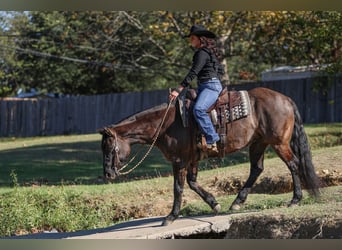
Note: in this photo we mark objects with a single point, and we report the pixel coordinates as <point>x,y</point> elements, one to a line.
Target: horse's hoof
<point>217,209</point>
<point>291,204</point>
<point>235,207</point>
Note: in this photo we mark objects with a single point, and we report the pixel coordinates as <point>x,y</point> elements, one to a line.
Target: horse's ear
<point>105,131</point>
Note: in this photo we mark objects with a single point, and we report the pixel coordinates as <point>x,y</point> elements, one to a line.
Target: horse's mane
<point>138,115</point>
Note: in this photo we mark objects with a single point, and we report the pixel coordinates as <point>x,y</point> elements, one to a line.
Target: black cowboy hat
<point>199,30</point>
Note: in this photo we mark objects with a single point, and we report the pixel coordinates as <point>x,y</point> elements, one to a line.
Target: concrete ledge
<point>147,228</point>
<point>151,228</point>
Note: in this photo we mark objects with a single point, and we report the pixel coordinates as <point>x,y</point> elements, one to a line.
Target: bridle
<point>115,149</point>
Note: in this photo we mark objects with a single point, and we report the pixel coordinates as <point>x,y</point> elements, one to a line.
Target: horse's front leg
<point>179,173</point>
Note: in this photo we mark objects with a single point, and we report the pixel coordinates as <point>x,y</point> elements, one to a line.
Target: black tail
<point>301,148</point>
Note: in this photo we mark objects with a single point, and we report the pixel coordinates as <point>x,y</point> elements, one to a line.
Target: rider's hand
<point>173,95</point>
<point>175,92</point>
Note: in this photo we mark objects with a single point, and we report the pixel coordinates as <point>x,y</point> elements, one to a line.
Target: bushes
<point>29,210</point>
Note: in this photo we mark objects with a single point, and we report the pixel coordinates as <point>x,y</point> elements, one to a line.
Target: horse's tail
<point>301,148</point>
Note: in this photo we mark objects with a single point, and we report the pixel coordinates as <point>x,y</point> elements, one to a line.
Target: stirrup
<point>212,148</point>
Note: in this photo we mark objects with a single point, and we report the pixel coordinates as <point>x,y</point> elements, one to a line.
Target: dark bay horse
<point>274,120</point>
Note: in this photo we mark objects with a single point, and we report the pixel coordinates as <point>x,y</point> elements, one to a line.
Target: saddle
<point>229,107</point>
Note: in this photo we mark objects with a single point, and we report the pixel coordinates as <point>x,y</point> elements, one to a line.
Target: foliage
<point>94,52</point>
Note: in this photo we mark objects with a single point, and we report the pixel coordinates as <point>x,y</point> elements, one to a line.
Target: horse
<point>274,120</point>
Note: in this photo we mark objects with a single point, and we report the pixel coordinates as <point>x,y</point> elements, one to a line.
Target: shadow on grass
<point>50,163</point>
<point>81,163</point>
<point>66,163</point>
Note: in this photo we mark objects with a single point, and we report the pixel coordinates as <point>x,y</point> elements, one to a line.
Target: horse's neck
<point>135,132</point>
<point>141,129</point>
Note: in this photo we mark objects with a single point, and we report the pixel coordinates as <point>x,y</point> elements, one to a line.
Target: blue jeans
<point>208,93</point>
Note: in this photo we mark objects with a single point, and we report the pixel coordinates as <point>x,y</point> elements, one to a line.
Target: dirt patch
<point>276,227</point>
<point>276,178</point>
<point>274,184</point>
<point>280,227</point>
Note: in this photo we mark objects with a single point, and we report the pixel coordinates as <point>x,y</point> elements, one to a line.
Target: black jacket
<point>204,66</point>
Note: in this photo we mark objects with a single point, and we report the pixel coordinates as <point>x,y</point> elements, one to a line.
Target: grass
<point>77,159</point>
<point>260,202</point>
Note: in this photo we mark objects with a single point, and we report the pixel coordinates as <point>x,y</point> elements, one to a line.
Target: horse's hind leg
<point>256,154</point>
<point>193,184</point>
<point>285,153</point>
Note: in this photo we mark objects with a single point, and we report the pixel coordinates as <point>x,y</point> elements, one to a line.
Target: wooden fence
<point>314,107</point>
<point>85,114</point>
<point>71,115</point>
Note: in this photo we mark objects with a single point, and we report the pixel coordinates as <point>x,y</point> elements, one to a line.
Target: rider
<point>208,70</point>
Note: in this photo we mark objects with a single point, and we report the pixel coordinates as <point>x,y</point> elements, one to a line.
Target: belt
<point>208,79</point>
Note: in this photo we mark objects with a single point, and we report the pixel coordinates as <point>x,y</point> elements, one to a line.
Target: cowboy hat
<point>199,30</point>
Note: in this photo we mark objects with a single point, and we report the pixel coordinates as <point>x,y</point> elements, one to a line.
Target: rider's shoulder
<point>203,52</point>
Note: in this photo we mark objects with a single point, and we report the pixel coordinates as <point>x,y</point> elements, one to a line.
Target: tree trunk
<point>220,45</point>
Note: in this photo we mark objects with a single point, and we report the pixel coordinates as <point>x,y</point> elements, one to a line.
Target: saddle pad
<point>240,109</point>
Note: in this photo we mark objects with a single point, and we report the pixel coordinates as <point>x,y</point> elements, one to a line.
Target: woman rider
<point>207,69</point>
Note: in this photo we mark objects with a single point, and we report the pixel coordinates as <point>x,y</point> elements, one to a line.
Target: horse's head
<point>115,150</point>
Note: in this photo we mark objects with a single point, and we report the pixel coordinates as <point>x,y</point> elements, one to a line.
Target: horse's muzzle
<point>110,174</point>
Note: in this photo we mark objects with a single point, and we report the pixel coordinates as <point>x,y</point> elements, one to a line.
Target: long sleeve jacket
<point>204,67</point>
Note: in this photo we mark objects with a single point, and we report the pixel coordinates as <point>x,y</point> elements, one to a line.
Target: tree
<point>8,83</point>
<point>96,52</point>
<point>297,38</point>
